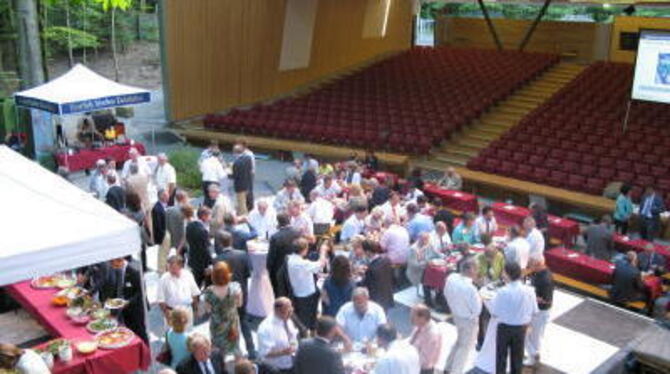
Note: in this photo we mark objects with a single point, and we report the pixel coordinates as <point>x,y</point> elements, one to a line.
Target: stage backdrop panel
<point>227,53</point>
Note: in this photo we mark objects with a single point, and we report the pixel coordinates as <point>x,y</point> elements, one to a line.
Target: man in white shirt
<point>360,317</point>
<point>134,158</point>
<point>486,223</point>
<point>534,237</point>
<point>466,305</point>
<point>278,337</point>
<point>286,195</point>
<point>400,356</point>
<point>177,288</point>
<point>98,182</point>
<point>440,238</point>
<point>321,211</point>
<point>301,272</point>
<point>166,176</point>
<point>212,172</point>
<point>300,220</point>
<point>221,205</point>
<point>354,225</point>
<point>517,249</point>
<point>328,188</point>
<point>514,306</point>
<point>395,242</point>
<point>394,209</point>
<point>263,219</point>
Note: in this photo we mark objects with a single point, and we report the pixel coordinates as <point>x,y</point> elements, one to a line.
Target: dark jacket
<point>116,198</point>
<point>281,245</point>
<point>657,206</point>
<point>158,221</point>
<point>444,215</point>
<point>239,264</point>
<point>654,262</point>
<point>199,251</point>
<point>626,284</point>
<point>379,281</point>
<point>242,173</point>
<point>190,365</point>
<point>380,195</point>
<point>315,355</point>
<point>307,183</point>
<point>599,242</point>
<point>134,314</point>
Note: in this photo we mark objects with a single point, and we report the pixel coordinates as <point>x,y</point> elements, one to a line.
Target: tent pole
<point>530,31</point>
<point>492,28</point>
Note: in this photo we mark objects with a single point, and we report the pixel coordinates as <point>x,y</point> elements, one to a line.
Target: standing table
<point>261,295</point>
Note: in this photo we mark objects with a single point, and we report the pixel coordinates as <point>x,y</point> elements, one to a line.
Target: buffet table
<point>133,357</point>
<point>456,200</point>
<point>86,158</point>
<point>625,244</point>
<point>566,230</point>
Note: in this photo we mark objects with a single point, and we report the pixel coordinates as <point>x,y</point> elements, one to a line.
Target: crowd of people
<point>342,240</point>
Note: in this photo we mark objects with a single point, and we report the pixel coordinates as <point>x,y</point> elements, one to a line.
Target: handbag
<point>165,355</point>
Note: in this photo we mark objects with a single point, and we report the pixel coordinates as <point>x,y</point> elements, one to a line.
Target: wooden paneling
<point>223,53</point>
<point>632,24</point>
<point>581,39</point>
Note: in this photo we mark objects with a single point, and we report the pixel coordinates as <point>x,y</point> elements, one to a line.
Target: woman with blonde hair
<point>23,361</point>
<point>176,337</point>
<point>222,299</point>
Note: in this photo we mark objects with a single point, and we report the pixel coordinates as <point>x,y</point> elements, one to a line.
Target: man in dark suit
<point>378,277</point>
<point>599,239</point>
<point>308,182</point>
<point>381,193</point>
<point>201,360</point>
<point>239,234</point>
<point>315,355</point>
<point>651,208</point>
<point>281,245</point>
<point>158,216</point>
<point>242,178</point>
<point>627,283</point>
<point>650,262</point>
<point>123,279</point>
<point>116,195</point>
<point>240,264</point>
<point>199,250</point>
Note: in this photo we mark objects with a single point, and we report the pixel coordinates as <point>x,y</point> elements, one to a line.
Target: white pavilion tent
<point>50,225</point>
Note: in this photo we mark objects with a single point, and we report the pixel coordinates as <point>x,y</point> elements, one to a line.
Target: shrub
<point>185,162</point>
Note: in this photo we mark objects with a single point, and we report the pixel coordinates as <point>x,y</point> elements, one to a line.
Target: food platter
<point>87,347</point>
<point>116,338</point>
<point>115,303</point>
<point>72,292</point>
<point>101,325</point>
<point>53,281</point>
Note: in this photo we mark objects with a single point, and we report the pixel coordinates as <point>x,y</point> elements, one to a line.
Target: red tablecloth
<point>130,358</point>
<point>579,266</point>
<point>436,276</point>
<point>456,200</point>
<point>623,244</point>
<point>563,229</point>
<point>86,158</point>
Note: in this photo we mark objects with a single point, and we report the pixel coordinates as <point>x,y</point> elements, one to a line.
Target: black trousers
<point>484,318</point>
<point>306,309</point>
<point>246,331</point>
<point>427,371</point>
<point>648,228</point>
<point>510,341</point>
<point>621,227</point>
<point>439,303</point>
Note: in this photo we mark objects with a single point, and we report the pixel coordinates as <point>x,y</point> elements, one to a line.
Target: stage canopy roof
<point>50,225</point>
<point>80,90</point>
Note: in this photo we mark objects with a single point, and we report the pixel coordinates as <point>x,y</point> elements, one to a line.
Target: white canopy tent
<point>50,225</point>
<point>80,90</point>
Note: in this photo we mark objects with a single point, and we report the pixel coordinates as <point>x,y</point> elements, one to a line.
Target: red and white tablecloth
<point>456,200</point>
<point>128,359</point>
<point>86,158</point>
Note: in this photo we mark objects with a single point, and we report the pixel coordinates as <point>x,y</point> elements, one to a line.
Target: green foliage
<point>80,39</point>
<point>185,162</point>
<point>115,4</point>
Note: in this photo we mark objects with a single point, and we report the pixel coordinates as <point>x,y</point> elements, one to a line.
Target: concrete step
<point>521,105</point>
<point>498,115</point>
<point>471,142</point>
<point>451,158</point>
<point>455,148</point>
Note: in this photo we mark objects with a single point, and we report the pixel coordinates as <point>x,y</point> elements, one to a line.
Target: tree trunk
<point>44,24</point>
<point>70,55</point>
<point>113,37</point>
<point>84,19</point>
<point>29,50</point>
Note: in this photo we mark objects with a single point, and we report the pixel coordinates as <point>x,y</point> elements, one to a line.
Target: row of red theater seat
<point>560,145</point>
<point>407,103</point>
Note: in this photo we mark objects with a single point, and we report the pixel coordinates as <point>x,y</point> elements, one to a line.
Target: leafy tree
<point>111,6</point>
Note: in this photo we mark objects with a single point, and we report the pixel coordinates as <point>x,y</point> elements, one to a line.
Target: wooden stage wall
<point>586,41</point>
<point>224,53</point>
<point>632,24</point>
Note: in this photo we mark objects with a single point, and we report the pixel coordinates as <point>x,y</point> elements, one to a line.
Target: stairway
<point>492,124</point>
